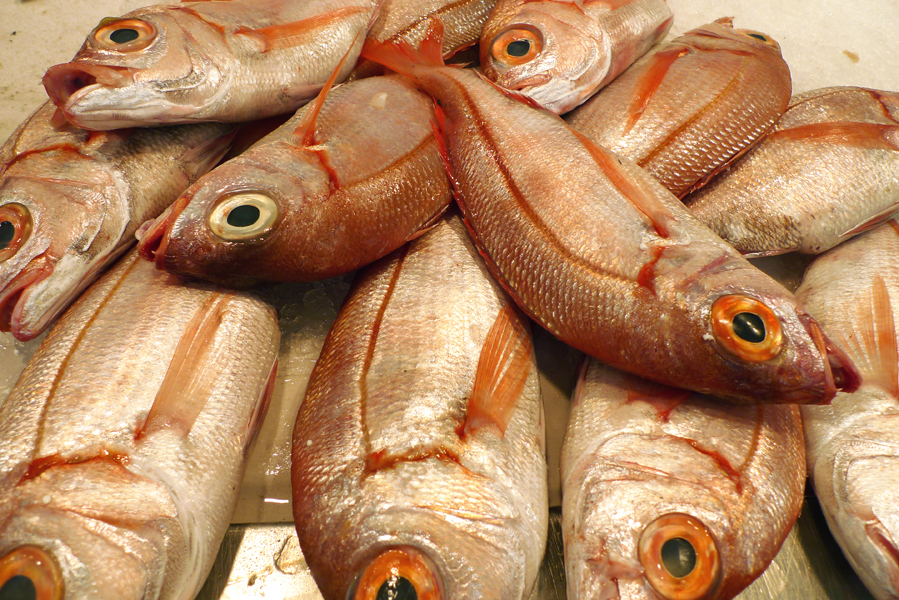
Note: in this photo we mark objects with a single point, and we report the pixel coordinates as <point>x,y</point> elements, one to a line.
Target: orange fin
<point>503,368</point>
<point>649,83</point>
<point>873,221</point>
<point>288,35</point>
<point>190,376</point>
<point>873,136</point>
<point>401,57</point>
<point>872,344</point>
<point>645,201</point>
<point>208,153</point>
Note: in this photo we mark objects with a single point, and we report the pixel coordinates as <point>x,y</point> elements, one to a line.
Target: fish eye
<point>30,573</point>
<point>15,229</point>
<point>243,217</point>
<point>516,46</point>
<point>124,35</point>
<point>757,36</point>
<point>746,328</point>
<point>398,574</point>
<point>679,557</point>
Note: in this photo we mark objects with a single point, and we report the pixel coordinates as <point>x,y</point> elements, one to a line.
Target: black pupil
<point>678,557</point>
<point>518,48</point>
<point>123,36</point>
<point>18,587</point>
<point>7,233</point>
<point>395,588</point>
<point>758,37</point>
<point>243,216</point>
<point>750,327</point>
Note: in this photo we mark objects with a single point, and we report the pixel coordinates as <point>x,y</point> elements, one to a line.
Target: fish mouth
<point>839,371</point>
<point>155,238</point>
<point>67,83</point>
<point>882,540</point>
<point>15,295</point>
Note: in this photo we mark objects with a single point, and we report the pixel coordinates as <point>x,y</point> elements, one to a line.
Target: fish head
<point>50,250</point>
<point>549,51</point>
<point>722,33</point>
<point>62,537</point>
<point>227,227</point>
<point>139,70</point>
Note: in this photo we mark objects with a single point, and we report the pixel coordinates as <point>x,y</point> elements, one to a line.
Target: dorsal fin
<point>185,388</point>
<point>401,57</point>
<point>646,202</point>
<point>502,372</point>
<point>871,344</point>
<point>305,131</point>
<point>649,83</point>
<point>874,136</point>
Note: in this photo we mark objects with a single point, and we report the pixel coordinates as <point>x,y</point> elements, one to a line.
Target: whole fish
<point>122,444</point>
<point>418,454</point>
<point>853,444</point>
<point>669,496</point>
<point>231,61</point>
<point>829,170</point>
<point>560,52</point>
<point>601,255</point>
<point>71,201</point>
<point>692,105</point>
<point>321,199</point>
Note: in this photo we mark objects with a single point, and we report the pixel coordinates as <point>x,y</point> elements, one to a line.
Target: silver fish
<point>122,445</point>
<point>667,495</point>
<point>853,444</point>
<point>828,171</point>
<point>418,453</point>
<point>71,201</point>
<point>207,61</point>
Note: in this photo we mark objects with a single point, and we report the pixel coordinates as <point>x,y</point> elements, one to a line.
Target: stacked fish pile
<point>418,465</point>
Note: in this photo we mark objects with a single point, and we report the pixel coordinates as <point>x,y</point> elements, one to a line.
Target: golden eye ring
<point>124,35</point>
<point>15,229</point>
<point>399,573</point>
<point>246,216</point>
<point>518,45</point>
<point>679,557</point>
<point>29,571</point>
<point>746,328</point>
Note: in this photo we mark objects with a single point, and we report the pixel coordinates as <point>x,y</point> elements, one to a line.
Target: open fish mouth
<point>839,371</point>
<point>155,237</point>
<point>15,295</point>
<point>68,83</point>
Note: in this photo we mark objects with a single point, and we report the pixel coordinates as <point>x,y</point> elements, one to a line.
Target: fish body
<point>207,61</point>
<point>560,52</point>
<point>828,170</point>
<point>649,472</point>
<point>71,201</point>
<point>419,445</point>
<point>852,444</point>
<point>692,105</point>
<point>598,253</point>
<point>370,180</point>
<point>122,444</point>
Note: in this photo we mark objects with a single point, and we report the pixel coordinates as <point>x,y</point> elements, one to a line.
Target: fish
<point>561,52</point>
<point>691,106</point>
<point>597,252</point>
<point>324,194</point>
<point>852,444</point>
<point>71,201</point>
<point>231,61</point>
<point>667,494</point>
<point>418,456</point>
<point>828,171</point>
<point>122,445</point>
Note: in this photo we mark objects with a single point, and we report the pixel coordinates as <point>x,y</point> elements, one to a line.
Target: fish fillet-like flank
<point>502,372</point>
<point>288,35</point>
<point>192,373</point>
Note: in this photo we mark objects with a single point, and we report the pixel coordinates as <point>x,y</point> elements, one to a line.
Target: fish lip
<point>16,293</point>
<point>68,83</point>
<point>839,371</point>
<point>155,238</point>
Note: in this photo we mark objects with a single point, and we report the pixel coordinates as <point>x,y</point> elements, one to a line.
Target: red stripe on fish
<point>277,37</point>
<point>39,465</point>
<point>874,136</point>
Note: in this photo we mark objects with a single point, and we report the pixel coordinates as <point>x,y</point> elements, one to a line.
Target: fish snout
<point>64,81</point>
<point>14,296</point>
<point>30,572</point>
<point>840,372</point>
<point>153,235</point>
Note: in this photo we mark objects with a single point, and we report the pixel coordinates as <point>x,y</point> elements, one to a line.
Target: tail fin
<point>402,57</point>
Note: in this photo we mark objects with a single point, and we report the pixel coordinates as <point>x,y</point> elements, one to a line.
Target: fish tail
<point>402,57</point>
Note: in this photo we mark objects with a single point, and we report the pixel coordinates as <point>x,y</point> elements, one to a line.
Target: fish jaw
<point>18,315</point>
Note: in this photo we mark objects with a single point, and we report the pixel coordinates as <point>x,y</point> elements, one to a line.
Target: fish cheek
<point>398,574</point>
<point>30,573</point>
<point>15,229</point>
